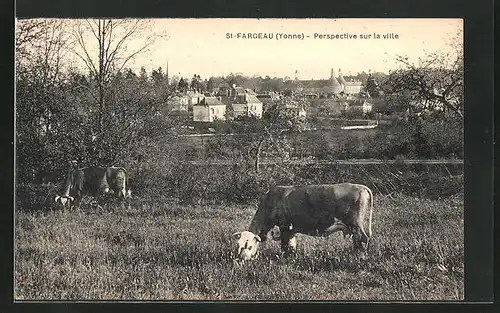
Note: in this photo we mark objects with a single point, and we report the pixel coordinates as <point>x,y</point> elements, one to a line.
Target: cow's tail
<point>125,183</point>
<point>371,213</point>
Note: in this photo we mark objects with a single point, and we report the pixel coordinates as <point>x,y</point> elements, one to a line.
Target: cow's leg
<point>288,240</point>
<point>122,200</point>
<point>292,244</point>
<point>77,203</point>
<point>359,234</point>
<point>128,198</point>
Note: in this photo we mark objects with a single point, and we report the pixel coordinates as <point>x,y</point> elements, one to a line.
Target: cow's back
<point>88,180</point>
<point>310,205</point>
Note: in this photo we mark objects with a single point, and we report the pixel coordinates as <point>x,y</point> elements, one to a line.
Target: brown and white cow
<point>315,210</point>
<point>93,181</point>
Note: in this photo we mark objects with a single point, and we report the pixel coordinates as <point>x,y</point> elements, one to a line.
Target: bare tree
<point>41,46</point>
<point>434,82</point>
<point>279,120</point>
<point>106,47</point>
<point>28,34</point>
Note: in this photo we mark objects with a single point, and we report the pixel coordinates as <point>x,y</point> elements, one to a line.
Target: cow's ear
<point>237,235</point>
<point>258,238</point>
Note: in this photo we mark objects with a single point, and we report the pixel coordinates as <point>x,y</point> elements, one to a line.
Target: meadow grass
<point>167,251</point>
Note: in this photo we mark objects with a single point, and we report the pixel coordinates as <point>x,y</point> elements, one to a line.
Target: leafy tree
<point>372,87</point>
<point>40,84</point>
<point>158,78</point>
<point>182,85</point>
<point>143,76</point>
<point>197,83</point>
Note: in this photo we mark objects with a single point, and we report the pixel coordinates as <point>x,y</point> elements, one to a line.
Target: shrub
<point>35,197</point>
<point>444,138</point>
<point>239,183</point>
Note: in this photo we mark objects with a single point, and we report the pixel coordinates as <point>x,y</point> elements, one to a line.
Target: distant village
<point>215,103</point>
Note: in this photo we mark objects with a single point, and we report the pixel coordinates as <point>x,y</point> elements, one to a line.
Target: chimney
<point>332,73</point>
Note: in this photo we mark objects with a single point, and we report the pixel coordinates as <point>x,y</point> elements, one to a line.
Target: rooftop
<point>210,101</point>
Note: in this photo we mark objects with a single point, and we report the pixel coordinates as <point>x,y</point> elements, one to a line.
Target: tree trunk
<point>257,156</point>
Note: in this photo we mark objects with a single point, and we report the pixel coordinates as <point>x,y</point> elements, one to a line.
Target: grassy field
<point>166,251</point>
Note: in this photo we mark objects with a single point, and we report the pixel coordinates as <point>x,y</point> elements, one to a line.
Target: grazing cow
<point>93,181</point>
<point>315,210</point>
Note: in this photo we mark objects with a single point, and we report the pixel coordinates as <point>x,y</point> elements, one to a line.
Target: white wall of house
<point>209,113</point>
<point>250,109</point>
<point>367,107</point>
<point>239,109</point>
<point>255,109</point>
<point>352,89</point>
<point>180,104</point>
<point>195,99</point>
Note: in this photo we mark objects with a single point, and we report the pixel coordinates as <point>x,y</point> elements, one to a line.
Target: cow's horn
<point>57,198</point>
<point>258,238</point>
<point>237,234</point>
<point>71,198</point>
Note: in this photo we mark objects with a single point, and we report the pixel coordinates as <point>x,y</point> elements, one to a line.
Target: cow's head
<point>275,233</point>
<point>248,244</point>
<point>65,201</point>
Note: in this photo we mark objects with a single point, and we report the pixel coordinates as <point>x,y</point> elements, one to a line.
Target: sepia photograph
<point>222,159</point>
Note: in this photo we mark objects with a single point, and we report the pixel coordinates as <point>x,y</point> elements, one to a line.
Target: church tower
<point>335,86</point>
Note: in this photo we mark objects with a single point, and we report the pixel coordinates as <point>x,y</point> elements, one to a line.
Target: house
<point>349,87</point>
<point>247,105</point>
<point>194,97</point>
<point>352,87</point>
<point>266,99</point>
<point>208,110</point>
<point>236,91</point>
<point>359,106</point>
<point>180,103</point>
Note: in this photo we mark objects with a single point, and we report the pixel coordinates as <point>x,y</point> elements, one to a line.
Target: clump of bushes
<point>420,140</point>
<point>239,183</point>
<point>35,197</point>
<point>191,184</point>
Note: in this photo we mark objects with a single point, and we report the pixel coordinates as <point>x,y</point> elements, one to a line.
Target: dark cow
<point>315,210</point>
<point>93,181</point>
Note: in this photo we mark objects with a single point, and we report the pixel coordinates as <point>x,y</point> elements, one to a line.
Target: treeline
<point>257,83</point>
<point>60,120</point>
<point>420,140</point>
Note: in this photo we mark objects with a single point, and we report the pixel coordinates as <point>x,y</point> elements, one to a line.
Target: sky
<point>204,46</point>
